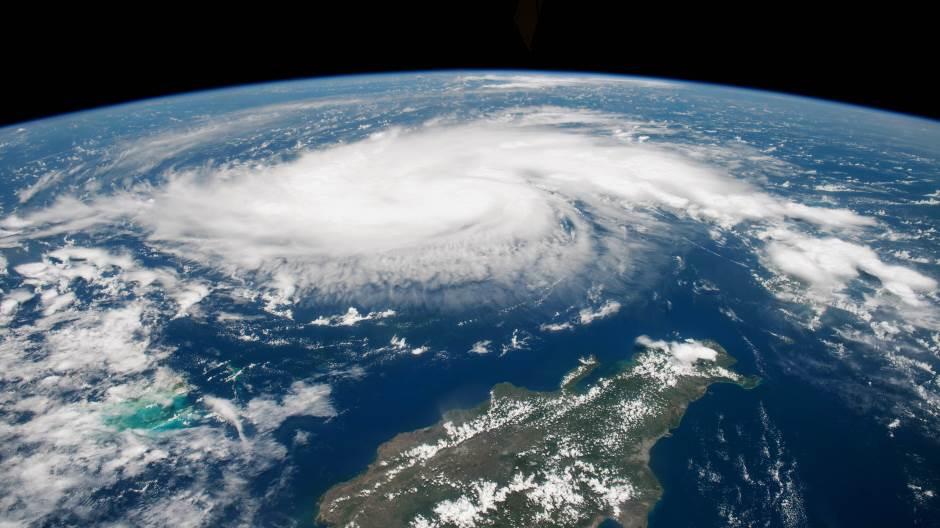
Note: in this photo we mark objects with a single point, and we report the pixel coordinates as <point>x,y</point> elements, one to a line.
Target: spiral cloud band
<point>441,213</point>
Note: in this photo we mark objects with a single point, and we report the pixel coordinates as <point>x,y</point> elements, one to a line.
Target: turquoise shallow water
<point>155,415</point>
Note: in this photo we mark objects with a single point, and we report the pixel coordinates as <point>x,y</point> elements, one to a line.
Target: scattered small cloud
<point>352,317</point>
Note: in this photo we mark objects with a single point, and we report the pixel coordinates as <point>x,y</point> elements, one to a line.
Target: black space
<point>61,59</point>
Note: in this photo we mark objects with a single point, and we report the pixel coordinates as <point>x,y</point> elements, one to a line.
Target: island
<point>576,456</point>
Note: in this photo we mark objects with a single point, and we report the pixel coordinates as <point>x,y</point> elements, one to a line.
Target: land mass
<point>571,457</point>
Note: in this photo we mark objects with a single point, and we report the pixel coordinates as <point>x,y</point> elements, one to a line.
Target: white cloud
<point>518,341</point>
<point>588,316</point>
<point>114,340</point>
<point>401,344</point>
<point>141,154</point>
<point>11,302</point>
<point>555,327</point>
<point>301,399</point>
<point>684,352</point>
<point>585,316</point>
<point>450,214</point>
<point>832,187</point>
<point>351,318</point>
<point>226,410</point>
<point>521,82</point>
<point>189,296</point>
<point>42,183</point>
<point>417,351</point>
<point>481,347</point>
<point>828,265</point>
<point>906,255</point>
<point>52,278</point>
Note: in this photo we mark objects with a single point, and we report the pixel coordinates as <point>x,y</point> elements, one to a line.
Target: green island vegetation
<point>571,457</point>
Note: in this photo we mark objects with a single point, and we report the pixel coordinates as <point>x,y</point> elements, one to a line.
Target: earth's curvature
<point>470,299</point>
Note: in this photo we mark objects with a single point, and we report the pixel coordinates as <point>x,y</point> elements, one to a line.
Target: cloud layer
<point>91,412</point>
<point>446,214</point>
